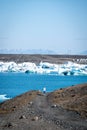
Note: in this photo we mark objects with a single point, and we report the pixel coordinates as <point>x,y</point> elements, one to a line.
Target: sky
<point>57,25</point>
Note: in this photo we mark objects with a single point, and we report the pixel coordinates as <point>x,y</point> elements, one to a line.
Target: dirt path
<point>43,107</point>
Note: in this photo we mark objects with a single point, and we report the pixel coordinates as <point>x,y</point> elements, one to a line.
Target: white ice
<point>3,97</point>
<point>69,68</point>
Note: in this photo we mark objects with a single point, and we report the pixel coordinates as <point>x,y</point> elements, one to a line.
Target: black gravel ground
<point>37,58</point>
<point>41,115</point>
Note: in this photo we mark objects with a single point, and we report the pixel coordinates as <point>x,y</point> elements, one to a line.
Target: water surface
<point>13,84</point>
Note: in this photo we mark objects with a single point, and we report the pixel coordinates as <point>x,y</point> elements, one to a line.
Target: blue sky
<point>58,25</point>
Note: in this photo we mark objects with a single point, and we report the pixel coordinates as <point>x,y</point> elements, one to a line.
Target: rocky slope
<point>73,98</point>
<point>64,109</point>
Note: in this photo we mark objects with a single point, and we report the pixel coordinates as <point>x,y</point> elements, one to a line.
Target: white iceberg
<point>3,97</point>
<point>69,68</point>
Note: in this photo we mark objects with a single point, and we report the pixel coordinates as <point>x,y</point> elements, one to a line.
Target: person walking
<point>44,90</point>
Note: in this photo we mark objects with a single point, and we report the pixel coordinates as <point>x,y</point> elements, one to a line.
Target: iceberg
<point>69,68</point>
<point>3,97</point>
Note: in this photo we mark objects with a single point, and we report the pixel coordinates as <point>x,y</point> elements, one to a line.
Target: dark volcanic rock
<point>37,58</point>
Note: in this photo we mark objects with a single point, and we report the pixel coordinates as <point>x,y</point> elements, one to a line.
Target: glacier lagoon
<point>13,84</point>
<point>16,78</point>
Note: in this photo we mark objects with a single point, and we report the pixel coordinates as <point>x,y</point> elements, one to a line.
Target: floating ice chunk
<point>47,65</point>
<point>3,97</point>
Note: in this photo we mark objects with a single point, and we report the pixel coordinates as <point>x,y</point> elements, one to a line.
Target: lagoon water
<point>13,84</point>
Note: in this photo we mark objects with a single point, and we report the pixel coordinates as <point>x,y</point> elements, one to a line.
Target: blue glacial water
<point>13,84</point>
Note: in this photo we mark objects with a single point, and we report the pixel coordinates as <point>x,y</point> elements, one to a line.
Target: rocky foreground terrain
<point>64,109</point>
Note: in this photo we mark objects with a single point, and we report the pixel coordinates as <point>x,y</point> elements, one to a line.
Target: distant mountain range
<point>26,51</point>
<point>33,51</point>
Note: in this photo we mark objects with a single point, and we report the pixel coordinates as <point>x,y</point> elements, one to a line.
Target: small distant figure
<point>44,90</point>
